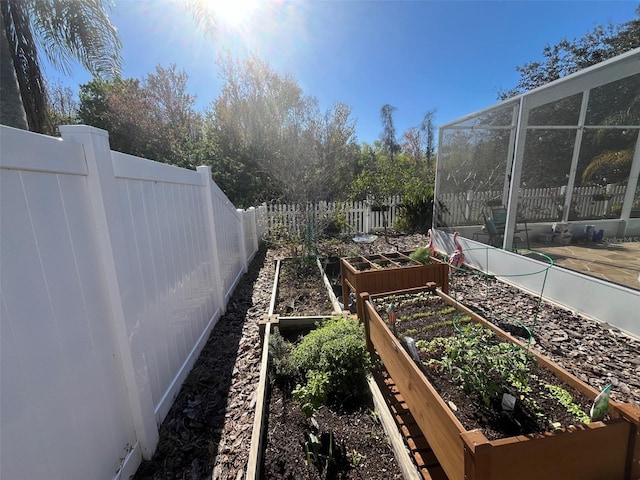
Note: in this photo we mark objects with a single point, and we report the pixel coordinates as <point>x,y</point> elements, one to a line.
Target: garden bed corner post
<point>364,296</point>
<point>477,461</point>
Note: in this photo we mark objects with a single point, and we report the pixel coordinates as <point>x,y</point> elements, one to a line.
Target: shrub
<point>335,222</point>
<point>335,362</point>
<point>416,214</point>
<point>421,254</point>
<point>281,371</point>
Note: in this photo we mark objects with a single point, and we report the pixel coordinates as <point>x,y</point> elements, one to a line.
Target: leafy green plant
<point>335,362</point>
<point>414,331</point>
<point>479,364</point>
<point>422,255</point>
<point>312,394</point>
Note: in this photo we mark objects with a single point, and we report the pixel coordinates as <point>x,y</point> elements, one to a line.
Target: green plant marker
<point>600,405</point>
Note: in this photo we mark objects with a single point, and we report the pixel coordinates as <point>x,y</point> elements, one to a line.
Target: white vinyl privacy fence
<point>113,270</point>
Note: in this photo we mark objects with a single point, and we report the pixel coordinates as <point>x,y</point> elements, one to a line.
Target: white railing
<point>534,204</point>
<point>360,217</point>
<point>113,271</point>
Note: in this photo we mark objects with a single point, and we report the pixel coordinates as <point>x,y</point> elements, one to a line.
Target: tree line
<point>265,139</point>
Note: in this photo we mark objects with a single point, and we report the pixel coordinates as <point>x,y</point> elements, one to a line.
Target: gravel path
<point>209,427</point>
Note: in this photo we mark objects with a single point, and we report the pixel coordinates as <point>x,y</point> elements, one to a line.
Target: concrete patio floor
<point>615,262</point>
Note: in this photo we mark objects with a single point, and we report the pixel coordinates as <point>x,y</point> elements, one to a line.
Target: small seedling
<point>315,456</point>
<point>356,458</point>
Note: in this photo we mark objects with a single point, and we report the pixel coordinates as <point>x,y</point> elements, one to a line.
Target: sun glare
<point>232,12</point>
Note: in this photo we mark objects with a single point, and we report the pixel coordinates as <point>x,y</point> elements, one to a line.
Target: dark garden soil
<point>360,449</point>
<point>424,317</point>
<point>301,290</point>
<point>207,433</point>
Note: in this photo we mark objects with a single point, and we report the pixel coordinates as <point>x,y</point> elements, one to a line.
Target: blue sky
<point>451,56</point>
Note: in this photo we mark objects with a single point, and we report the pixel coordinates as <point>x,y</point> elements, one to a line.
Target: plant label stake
<point>600,405</point>
<point>392,317</point>
<point>508,402</point>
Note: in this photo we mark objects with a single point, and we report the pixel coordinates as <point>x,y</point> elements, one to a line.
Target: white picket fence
<point>534,204</point>
<point>360,217</point>
<point>113,271</point>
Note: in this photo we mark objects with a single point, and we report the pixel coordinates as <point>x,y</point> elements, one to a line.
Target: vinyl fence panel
<point>65,411</point>
<point>113,270</point>
<point>228,223</point>
<point>168,294</point>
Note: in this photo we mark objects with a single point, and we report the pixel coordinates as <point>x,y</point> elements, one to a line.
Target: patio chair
<point>499,217</point>
<point>494,227</point>
<point>495,230</point>
<point>489,229</point>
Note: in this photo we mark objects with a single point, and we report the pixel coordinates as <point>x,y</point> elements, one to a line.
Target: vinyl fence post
<point>243,243</point>
<point>211,236</point>
<point>103,194</point>
<point>254,228</point>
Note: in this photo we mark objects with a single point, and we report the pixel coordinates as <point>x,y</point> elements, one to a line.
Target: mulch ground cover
<point>207,433</point>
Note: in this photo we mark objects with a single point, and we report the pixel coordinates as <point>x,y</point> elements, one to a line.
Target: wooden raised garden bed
<point>600,450</point>
<point>307,286</point>
<point>296,326</point>
<point>388,272</point>
<point>257,449</point>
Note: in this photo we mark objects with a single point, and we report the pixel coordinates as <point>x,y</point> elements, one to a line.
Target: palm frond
<point>203,15</point>
<point>78,30</point>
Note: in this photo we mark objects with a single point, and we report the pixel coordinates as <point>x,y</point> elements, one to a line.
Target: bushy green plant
<point>421,254</point>
<point>416,214</point>
<point>281,370</point>
<point>616,209</point>
<point>335,362</point>
<point>335,222</point>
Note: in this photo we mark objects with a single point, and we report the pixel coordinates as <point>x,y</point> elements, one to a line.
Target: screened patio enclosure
<point>558,164</point>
